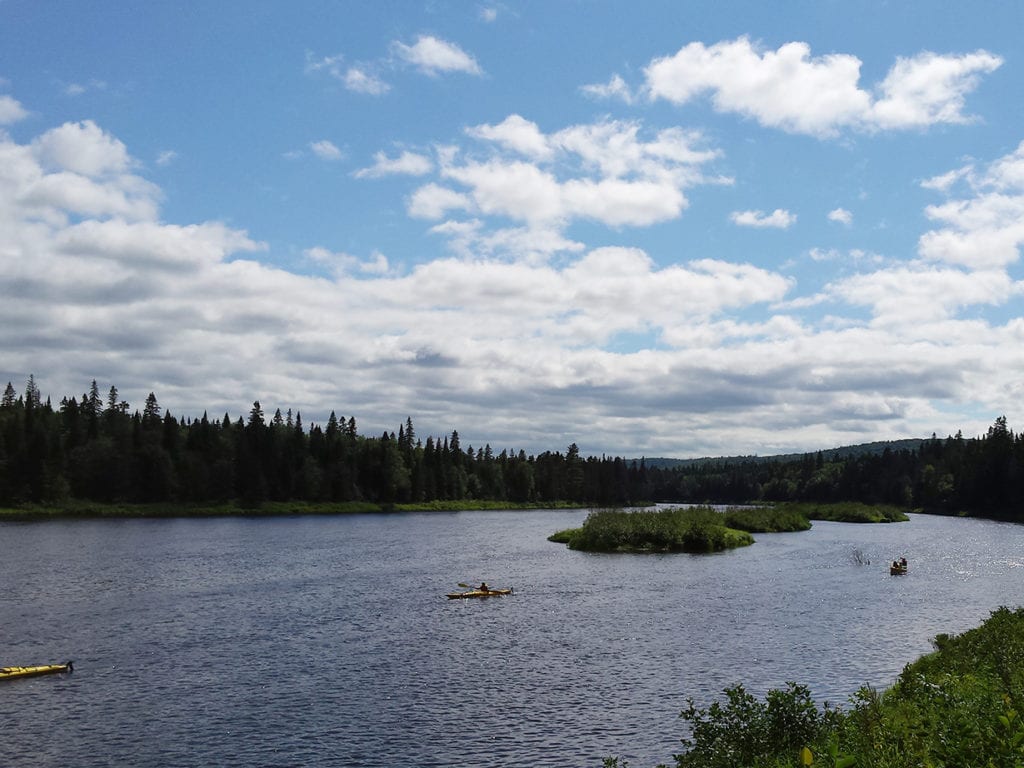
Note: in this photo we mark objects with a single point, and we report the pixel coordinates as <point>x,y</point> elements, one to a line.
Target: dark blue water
<point>326,641</point>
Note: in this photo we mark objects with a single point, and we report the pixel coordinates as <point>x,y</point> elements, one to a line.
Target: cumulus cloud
<point>777,219</point>
<point>515,133</point>
<point>792,90</point>
<point>359,80</point>
<point>82,148</point>
<point>984,231</point>
<point>11,110</point>
<point>606,172</point>
<point>433,201</point>
<point>406,164</point>
<point>325,150</point>
<point>341,264</point>
<point>615,88</point>
<point>434,56</point>
<point>840,216</point>
<point>97,285</point>
<point>929,89</point>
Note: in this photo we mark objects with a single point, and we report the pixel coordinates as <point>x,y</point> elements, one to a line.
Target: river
<point>327,641</point>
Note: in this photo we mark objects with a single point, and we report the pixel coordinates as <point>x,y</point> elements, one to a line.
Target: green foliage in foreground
<point>959,706</point>
<point>697,529</point>
<point>846,512</point>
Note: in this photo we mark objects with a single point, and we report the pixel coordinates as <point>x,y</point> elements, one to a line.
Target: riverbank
<point>958,706</point>
<point>92,510</point>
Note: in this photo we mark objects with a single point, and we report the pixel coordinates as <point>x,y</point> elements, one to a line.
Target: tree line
<point>98,449</point>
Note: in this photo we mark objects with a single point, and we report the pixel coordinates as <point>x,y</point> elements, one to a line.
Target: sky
<point>649,228</point>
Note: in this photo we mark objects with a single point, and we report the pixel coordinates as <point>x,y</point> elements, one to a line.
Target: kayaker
<point>483,587</point>
<point>903,562</point>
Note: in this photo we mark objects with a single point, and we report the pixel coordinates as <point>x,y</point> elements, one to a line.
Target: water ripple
<point>328,642</point>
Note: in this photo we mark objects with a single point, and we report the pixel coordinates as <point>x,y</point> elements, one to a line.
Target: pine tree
<point>9,397</point>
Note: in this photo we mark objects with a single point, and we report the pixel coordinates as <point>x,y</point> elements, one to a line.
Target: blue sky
<point>656,228</point>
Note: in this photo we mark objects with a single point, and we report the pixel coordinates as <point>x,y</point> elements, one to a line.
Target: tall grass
<point>766,519</point>
<point>847,512</point>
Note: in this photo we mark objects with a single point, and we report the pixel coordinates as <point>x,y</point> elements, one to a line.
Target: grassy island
<point>846,512</point>
<point>961,705</point>
<point>704,529</point>
<point>697,529</point>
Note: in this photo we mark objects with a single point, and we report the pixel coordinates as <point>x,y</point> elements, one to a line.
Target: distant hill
<point>908,444</point>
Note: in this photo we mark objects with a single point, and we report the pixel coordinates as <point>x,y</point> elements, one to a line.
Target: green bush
<point>746,731</point>
<point>958,707</point>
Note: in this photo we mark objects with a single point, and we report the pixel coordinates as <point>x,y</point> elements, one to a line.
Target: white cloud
<point>488,13</point>
<point>360,80</point>
<point>341,264</point>
<point>985,231</point>
<point>96,284</point>
<point>433,56</point>
<point>433,201</point>
<point>615,88</point>
<point>325,150</point>
<point>943,182</point>
<point>919,294</point>
<point>840,216</point>
<point>11,110</point>
<point>790,89</point>
<point>77,89</point>
<point>823,254</point>
<point>929,89</point>
<point>82,148</point>
<point>777,219</point>
<point>530,245</point>
<point>515,133</point>
<point>406,164</point>
<point>166,157</point>
<point>605,172</point>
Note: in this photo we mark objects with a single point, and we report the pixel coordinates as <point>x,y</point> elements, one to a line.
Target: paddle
<point>471,586</point>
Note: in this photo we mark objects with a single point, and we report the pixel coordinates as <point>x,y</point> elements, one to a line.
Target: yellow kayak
<point>479,593</point>
<point>10,673</point>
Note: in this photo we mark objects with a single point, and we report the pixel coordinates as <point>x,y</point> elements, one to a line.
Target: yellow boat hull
<point>479,593</point>
<point>12,673</point>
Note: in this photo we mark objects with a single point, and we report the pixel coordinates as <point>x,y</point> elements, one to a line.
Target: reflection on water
<point>328,641</point>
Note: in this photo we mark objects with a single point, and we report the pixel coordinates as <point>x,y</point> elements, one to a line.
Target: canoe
<point>479,593</point>
<point>10,673</point>
<point>897,570</point>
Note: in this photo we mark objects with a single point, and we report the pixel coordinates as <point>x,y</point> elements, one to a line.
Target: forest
<point>97,449</point>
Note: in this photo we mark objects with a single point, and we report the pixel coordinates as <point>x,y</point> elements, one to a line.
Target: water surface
<point>327,641</point>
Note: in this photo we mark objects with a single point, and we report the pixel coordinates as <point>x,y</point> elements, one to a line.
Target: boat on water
<point>898,567</point>
<point>479,593</point>
<point>11,673</point>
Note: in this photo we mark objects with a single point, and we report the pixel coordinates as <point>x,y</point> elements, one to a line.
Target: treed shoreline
<point>91,450</point>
